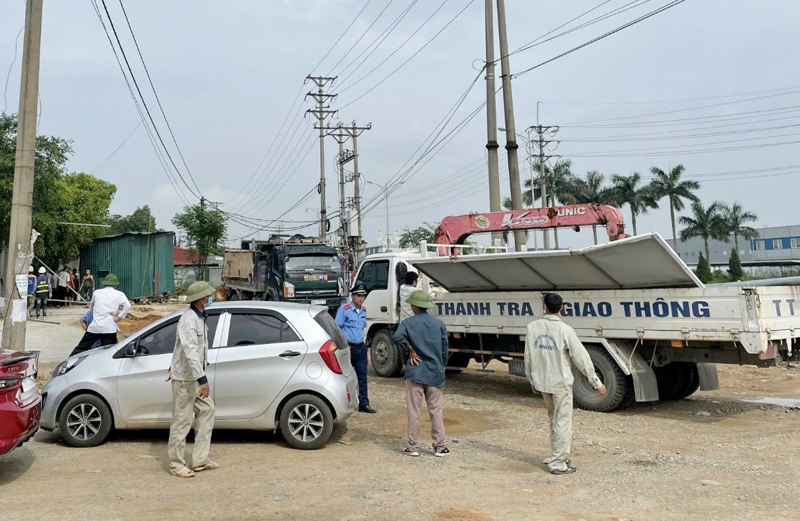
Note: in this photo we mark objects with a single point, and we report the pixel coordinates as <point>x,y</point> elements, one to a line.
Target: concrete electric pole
<point>354,131</point>
<point>321,112</point>
<point>491,120</point>
<point>341,137</point>
<point>542,143</point>
<point>20,241</point>
<point>511,135</point>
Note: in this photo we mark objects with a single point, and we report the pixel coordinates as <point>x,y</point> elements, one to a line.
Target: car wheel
<point>306,422</point>
<point>85,421</point>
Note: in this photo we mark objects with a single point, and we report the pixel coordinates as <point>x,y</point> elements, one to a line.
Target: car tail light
<point>328,354</point>
<point>9,383</point>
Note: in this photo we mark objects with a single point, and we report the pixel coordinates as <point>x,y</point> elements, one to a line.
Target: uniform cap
<point>110,280</point>
<point>420,299</point>
<point>42,270</point>
<point>359,289</point>
<point>199,290</point>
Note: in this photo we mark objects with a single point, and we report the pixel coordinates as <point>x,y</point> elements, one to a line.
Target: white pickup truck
<point>652,328</point>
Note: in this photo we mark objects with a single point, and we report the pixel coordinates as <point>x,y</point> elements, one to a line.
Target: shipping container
<point>142,261</point>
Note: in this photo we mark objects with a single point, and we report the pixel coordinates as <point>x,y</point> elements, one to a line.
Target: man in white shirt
<point>108,306</point>
<point>406,290</point>
<point>551,348</point>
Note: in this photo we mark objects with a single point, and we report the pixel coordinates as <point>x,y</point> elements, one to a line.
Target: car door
<point>143,392</point>
<point>375,276</point>
<point>255,362</point>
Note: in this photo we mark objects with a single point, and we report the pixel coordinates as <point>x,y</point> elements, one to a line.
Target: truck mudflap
<point>709,378</point>
<point>624,354</point>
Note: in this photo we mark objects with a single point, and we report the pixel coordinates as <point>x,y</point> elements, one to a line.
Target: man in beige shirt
<point>551,347</point>
<point>191,393</point>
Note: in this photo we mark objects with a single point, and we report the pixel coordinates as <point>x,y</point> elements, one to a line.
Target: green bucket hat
<point>420,299</point>
<point>110,280</point>
<point>199,290</point>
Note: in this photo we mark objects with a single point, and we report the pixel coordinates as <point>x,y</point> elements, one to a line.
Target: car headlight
<point>288,290</point>
<point>67,366</point>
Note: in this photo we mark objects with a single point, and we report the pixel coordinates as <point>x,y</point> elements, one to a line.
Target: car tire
<point>385,355</point>
<point>85,421</point>
<point>616,382</point>
<point>306,422</point>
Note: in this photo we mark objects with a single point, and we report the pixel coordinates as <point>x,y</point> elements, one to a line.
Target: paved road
<point>55,338</point>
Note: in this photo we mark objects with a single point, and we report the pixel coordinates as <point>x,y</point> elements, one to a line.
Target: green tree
<point>671,186</point>
<point>626,190</point>
<point>589,189</point>
<point>205,229</point>
<point>141,220</point>
<point>735,217</point>
<point>58,197</point>
<point>703,270</point>
<point>706,223</point>
<point>735,266</point>
<point>411,238</point>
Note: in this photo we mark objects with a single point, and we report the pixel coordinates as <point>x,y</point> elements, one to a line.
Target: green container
<point>142,261</point>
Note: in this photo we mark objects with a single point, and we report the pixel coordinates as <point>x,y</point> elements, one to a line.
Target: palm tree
<point>734,217</point>
<point>626,190</point>
<point>707,223</point>
<point>671,186</point>
<point>589,189</point>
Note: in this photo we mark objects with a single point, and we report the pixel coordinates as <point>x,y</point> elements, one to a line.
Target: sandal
<point>182,472</point>
<point>208,465</point>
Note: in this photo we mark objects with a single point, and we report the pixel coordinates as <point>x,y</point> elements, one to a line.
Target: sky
<point>712,85</point>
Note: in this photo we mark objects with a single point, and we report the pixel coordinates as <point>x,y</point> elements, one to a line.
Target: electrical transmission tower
<point>322,111</point>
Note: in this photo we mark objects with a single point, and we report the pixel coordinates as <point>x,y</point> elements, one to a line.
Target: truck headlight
<point>288,290</point>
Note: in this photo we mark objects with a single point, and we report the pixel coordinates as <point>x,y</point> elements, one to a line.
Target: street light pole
<point>386,201</point>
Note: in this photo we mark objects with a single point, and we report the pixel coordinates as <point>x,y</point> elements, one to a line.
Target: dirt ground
<point>713,456</point>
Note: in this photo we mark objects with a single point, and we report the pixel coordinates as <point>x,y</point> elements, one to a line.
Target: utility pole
<point>21,239</point>
<point>321,112</point>
<point>354,131</point>
<point>511,135</point>
<point>491,120</point>
<point>542,143</point>
<point>344,156</point>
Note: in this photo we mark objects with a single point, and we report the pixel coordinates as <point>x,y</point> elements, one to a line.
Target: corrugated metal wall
<point>142,261</point>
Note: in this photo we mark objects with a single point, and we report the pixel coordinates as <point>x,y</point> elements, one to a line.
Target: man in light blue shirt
<point>87,319</point>
<point>352,319</point>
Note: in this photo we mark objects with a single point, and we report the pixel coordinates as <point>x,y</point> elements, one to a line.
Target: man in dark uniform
<point>352,319</point>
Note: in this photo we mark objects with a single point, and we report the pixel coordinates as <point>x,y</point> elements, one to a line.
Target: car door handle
<point>384,309</point>
<point>289,354</point>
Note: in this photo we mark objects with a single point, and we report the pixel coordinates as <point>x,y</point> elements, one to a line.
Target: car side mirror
<point>130,350</point>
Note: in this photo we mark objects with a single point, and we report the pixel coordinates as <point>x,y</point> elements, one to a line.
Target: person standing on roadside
<point>406,290</point>
<point>31,290</point>
<point>87,285</point>
<point>109,306</point>
<point>352,319</point>
<point>43,291</point>
<point>424,338</point>
<point>191,393</point>
<point>551,348</point>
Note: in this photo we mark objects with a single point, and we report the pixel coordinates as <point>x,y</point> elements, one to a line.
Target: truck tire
<point>457,363</point>
<point>234,296</point>
<point>677,380</point>
<point>618,385</point>
<point>385,355</point>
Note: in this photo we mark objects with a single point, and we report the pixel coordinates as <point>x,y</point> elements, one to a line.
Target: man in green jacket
<point>424,338</point>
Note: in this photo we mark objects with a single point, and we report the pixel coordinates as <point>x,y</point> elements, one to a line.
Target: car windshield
<point>313,262</point>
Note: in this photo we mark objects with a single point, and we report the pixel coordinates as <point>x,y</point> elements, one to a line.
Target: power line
<point>11,67</point>
<point>353,21</point>
<point>389,3</point>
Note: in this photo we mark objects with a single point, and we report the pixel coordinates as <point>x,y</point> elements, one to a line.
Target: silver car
<point>272,365</point>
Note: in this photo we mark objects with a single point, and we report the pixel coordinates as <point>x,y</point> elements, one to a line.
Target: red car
<point>20,401</point>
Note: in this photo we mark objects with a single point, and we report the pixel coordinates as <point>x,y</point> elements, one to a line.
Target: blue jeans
<point>358,357</point>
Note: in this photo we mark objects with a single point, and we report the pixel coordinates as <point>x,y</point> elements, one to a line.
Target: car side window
<point>375,275</point>
<point>159,342</point>
<point>256,329</point>
<point>211,323</point>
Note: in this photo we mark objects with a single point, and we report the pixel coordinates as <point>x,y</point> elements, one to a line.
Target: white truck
<point>653,330</point>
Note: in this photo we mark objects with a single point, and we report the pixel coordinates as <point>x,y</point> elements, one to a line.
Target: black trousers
<point>89,339</point>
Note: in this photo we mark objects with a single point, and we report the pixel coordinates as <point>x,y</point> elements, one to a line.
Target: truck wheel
<point>677,380</point>
<point>616,382</point>
<point>386,359</point>
<point>234,296</point>
<point>457,363</point>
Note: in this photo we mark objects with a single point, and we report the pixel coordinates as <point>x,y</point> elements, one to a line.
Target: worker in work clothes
<point>109,306</point>
<point>352,319</point>
<point>424,338</point>
<point>43,291</point>
<point>406,290</point>
<point>551,347</point>
<point>31,290</point>
<point>191,393</point>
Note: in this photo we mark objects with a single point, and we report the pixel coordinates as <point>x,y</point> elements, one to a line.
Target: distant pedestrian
<point>109,306</point>
<point>63,282</point>
<point>191,393</point>
<point>31,290</point>
<point>551,348</point>
<point>87,285</point>
<point>43,291</point>
<point>406,290</point>
<point>352,319</point>
<point>424,338</point>
<point>71,286</point>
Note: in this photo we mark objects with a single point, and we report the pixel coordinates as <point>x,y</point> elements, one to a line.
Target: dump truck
<point>652,329</point>
<point>289,268</point>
